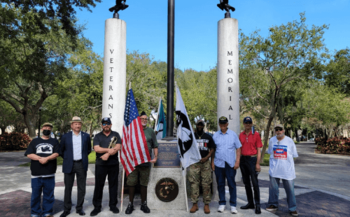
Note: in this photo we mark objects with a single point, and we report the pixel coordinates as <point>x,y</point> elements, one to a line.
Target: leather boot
<point>194,208</point>
<point>206,209</point>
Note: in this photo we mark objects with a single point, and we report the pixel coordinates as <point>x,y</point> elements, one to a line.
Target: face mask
<point>46,132</point>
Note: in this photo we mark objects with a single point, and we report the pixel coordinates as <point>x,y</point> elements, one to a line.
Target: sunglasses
<point>248,122</point>
<point>144,119</point>
<point>278,129</point>
<point>105,124</point>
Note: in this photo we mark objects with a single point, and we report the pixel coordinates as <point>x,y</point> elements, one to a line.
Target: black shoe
<point>129,209</point>
<point>257,209</point>
<point>248,206</point>
<point>145,208</point>
<point>65,214</point>
<point>80,212</point>
<point>95,212</point>
<point>114,209</point>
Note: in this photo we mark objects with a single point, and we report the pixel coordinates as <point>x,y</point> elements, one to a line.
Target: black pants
<point>80,172</point>
<point>249,173</point>
<point>101,172</point>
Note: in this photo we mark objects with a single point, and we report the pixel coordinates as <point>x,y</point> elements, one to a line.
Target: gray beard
<point>280,136</point>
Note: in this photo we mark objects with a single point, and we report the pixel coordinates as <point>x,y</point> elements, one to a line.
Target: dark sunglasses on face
<point>105,124</point>
<point>278,129</point>
<point>249,122</point>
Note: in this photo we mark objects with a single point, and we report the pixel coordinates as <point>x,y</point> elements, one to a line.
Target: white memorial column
<point>228,75</point>
<point>114,73</point>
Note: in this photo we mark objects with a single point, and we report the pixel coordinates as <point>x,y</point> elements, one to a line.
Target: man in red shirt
<point>250,163</point>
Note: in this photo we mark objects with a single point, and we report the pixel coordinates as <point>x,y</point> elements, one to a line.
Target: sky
<point>196,25</point>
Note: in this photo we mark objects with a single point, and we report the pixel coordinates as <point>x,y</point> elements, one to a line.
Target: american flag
<point>134,146</point>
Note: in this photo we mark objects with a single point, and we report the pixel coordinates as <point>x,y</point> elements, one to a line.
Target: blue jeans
<point>274,191</point>
<point>226,173</point>
<point>47,187</point>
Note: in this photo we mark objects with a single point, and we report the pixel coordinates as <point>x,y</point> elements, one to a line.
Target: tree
<point>291,52</point>
<point>338,71</point>
<point>31,62</point>
<point>43,10</point>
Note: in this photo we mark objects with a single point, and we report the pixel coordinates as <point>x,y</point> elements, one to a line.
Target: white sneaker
<point>221,208</point>
<point>233,210</point>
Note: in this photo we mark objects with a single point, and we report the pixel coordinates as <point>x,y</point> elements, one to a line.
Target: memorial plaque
<point>167,189</point>
<point>168,156</point>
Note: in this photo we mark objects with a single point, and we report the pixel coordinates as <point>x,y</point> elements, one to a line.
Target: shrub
<point>14,141</point>
<point>333,145</point>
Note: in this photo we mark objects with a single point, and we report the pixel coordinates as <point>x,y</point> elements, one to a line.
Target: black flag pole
<point>170,70</point>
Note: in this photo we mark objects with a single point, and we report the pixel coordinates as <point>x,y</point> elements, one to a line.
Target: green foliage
<point>32,60</point>
<point>198,90</point>
<point>338,71</point>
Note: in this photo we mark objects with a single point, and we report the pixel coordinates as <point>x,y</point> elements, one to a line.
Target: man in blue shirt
<point>227,158</point>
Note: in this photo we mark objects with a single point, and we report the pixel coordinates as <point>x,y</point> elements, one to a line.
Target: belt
<point>249,155</point>
<point>76,161</point>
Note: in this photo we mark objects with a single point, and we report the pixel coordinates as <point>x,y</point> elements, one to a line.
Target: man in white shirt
<point>282,150</point>
<point>227,158</point>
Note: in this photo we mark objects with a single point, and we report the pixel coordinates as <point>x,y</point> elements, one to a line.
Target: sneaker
<point>221,208</point>
<point>294,213</point>
<point>233,210</point>
<point>271,208</point>
<point>114,209</point>
<point>129,209</point>
<point>145,208</point>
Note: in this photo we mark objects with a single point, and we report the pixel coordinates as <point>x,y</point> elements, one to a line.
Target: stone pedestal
<point>114,73</point>
<point>172,172</point>
<point>228,75</point>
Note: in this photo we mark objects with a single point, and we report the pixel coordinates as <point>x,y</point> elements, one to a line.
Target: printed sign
<point>280,152</point>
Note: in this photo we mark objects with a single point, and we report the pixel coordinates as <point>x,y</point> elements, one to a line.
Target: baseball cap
<point>223,120</point>
<point>247,119</point>
<point>106,120</point>
<point>143,113</point>
<point>279,126</point>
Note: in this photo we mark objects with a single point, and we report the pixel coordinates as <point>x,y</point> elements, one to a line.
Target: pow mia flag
<point>185,138</point>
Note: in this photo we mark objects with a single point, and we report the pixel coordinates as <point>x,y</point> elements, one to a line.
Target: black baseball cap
<point>223,120</point>
<point>247,120</point>
<point>143,113</point>
<point>106,120</point>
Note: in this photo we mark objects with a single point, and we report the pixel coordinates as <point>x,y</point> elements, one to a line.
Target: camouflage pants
<point>198,173</point>
<point>140,171</point>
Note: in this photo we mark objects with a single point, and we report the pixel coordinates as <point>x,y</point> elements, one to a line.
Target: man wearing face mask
<point>43,153</point>
<point>107,164</point>
<point>142,171</point>
<point>75,148</point>
<point>282,150</point>
<point>201,172</point>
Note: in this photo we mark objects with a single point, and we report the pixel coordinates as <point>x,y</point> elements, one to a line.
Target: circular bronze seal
<point>167,189</point>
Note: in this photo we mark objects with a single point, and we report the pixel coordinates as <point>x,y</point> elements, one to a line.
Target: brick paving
<point>315,204</point>
<point>17,204</point>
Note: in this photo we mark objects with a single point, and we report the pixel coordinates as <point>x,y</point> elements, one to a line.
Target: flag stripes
<point>134,146</point>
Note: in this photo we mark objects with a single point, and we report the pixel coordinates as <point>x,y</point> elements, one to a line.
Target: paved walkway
<point>322,188</point>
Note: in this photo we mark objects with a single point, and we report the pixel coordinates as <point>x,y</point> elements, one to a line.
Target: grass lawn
<point>266,160</point>
<point>92,160</point>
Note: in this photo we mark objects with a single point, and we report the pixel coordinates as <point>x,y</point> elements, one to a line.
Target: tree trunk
<point>266,137</point>
<point>30,124</point>
<point>2,130</point>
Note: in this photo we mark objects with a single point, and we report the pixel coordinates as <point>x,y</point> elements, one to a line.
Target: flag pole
<point>123,179</point>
